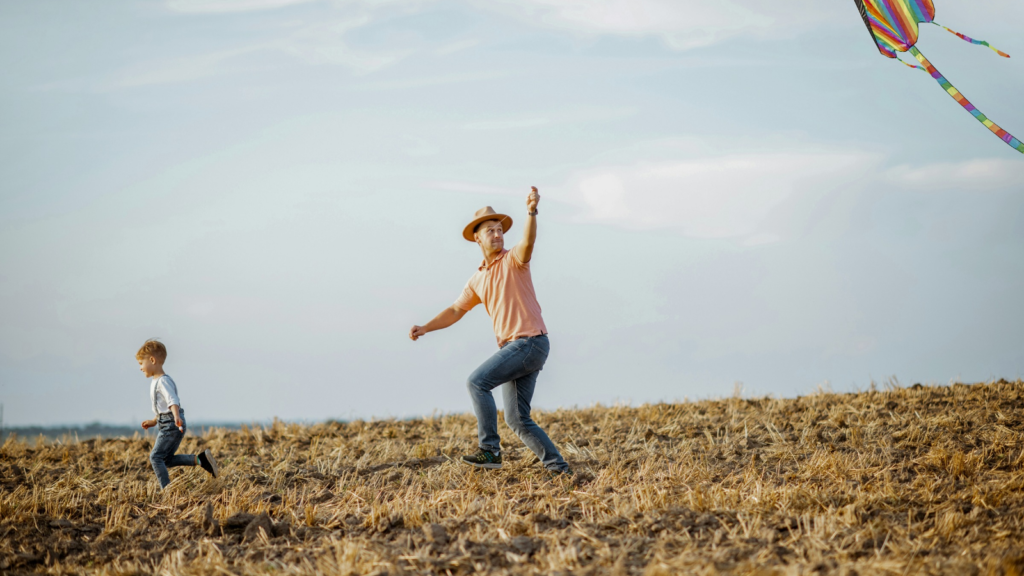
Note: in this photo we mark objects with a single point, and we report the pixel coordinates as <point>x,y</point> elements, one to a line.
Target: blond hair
<point>153,348</point>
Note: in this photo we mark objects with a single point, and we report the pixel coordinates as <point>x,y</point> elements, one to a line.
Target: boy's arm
<point>147,424</point>
<point>177,417</point>
<point>166,388</point>
<point>524,250</point>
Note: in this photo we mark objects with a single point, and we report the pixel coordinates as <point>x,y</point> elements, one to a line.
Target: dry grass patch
<point>921,480</point>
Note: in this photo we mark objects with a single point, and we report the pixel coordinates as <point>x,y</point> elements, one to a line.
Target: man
<point>504,286</point>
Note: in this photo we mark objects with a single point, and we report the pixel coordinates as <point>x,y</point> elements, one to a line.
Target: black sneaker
<point>559,474</point>
<point>483,459</point>
<point>208,462</point>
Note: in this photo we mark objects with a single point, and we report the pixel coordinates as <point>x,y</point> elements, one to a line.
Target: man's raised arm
<point>524,250</point>
<point>446,318</point>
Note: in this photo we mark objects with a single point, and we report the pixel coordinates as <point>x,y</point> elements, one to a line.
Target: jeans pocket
<point>535,358</point>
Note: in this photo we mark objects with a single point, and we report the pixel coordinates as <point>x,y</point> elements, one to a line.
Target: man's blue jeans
<point>168,438</point>
<point>516,366</point>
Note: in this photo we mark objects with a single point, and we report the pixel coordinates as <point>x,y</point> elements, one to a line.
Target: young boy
<point>170,417</point>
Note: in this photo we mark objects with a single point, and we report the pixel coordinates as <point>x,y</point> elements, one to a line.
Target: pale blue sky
<point>739,191</point>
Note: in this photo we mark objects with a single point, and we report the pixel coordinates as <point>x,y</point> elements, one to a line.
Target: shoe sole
<point>488,465</point>
<point>213,462</point>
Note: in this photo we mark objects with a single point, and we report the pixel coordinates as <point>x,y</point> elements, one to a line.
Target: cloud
<point>752,197</point>
<point>510,124</point>
<point>181,69</point>
<point>223,6</point>
<point>312,42</point>
<point>985,174</point>
<point>711,196</point>
<point>323,43</point>
<point>406,82</point>
<point>584,114</point>
<point>418,147</point>
<point>456,186</point>
<point>456,47</point>
<point>681,24</point>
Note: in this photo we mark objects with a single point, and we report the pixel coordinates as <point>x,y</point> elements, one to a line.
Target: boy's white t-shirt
<point>164,394</point>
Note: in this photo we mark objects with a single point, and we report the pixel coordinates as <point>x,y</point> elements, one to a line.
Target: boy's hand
<point>415,332</point>
<point>179,423</point>
<point>147,424</point>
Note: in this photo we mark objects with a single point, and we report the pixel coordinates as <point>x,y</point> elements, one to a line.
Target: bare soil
<point>919,480</point>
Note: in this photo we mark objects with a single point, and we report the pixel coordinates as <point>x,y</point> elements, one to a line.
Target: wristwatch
<point>534,213</point>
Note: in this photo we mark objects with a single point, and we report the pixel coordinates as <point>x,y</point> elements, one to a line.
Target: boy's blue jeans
<point>516,365</point>
<point>163,456</point>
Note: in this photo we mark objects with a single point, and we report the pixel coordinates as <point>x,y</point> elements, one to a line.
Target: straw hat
<point>486,213</point>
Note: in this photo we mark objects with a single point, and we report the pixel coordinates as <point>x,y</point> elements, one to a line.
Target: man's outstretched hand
<point>532,200</point>
<point>446,318</point>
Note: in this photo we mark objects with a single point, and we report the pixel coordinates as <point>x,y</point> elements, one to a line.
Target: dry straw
<point>920,480</point>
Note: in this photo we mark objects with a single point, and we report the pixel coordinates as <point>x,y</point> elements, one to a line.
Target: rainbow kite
<point>893,27</point>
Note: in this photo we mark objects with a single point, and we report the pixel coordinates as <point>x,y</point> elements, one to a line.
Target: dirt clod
<point>525,545</point>
<point>261,523</point>
<point>237,522</point>
<point>435,533</point>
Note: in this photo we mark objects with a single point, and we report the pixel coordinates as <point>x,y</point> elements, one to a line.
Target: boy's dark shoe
<point>208,462</point>
<point>483,459</point>
<point>566,474</point>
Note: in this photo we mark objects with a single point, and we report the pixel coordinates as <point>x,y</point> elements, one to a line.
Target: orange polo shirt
<point>506,290</point>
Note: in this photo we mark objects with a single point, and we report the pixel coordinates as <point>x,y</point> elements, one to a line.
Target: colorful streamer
<point>908,65</point>
<point>952,91</point>
<point>973,41</point>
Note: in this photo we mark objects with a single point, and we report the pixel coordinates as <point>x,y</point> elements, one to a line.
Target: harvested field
<point>920,480</point>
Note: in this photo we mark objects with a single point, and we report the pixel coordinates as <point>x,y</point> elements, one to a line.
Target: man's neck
<point>492,256</point>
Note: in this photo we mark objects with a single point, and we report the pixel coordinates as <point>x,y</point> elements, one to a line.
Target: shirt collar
<point>485,266</point>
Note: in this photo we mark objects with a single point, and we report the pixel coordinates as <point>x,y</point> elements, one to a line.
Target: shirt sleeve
<point>516,262</point>
<point>166,388</point>
<point>468,299</point>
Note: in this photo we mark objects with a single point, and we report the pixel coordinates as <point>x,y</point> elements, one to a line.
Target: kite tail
<point>921,68</point>
<point>1002,134</point>
<point>967,38</point>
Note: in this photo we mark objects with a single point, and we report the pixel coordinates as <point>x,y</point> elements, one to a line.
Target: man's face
<point>490,236</point>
